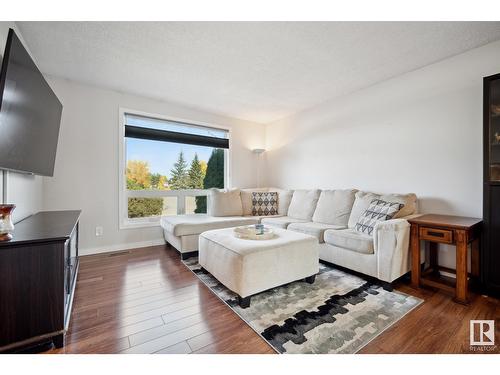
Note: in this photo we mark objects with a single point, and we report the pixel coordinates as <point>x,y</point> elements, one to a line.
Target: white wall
<point>86,170</point>
<point>420,132</point>
<point>24,190</point>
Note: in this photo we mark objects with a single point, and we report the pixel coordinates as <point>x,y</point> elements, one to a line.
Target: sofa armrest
<point>391,241</point>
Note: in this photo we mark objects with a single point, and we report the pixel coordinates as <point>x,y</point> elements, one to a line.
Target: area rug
<point>339,313</point>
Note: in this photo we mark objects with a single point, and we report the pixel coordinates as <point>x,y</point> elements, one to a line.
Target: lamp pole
<point>258,152</point>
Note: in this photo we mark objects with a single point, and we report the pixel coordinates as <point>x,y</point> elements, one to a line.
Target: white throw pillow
<point>225,203</point>
<point>246,199</point>
<point>284,199</point>
<point>334,207</point>
<point>361,204</point>
<point>303,204</point>
<point>377,212</point>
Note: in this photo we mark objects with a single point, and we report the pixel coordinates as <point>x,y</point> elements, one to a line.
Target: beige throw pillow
<point>225,202</point>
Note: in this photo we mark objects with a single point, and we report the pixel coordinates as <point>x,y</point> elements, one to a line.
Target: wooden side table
<point>452,230</point>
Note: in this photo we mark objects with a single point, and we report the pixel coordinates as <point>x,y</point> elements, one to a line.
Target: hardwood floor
<point>438,325</point>
<point>146,301</point>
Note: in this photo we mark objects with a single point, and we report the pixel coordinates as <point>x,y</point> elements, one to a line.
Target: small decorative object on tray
<point>6,224</point>
<point>254,232</point>
<point>259,228</point>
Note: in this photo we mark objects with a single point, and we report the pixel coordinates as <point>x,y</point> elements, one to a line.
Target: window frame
<point>123,193</point>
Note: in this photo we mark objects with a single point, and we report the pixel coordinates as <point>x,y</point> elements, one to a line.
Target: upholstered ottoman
<point>248,267</point>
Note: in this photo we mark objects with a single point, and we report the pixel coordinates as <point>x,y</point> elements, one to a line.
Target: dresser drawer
<point>436,235</point>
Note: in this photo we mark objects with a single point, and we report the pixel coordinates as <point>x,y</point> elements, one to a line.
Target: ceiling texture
<point>257,71</point>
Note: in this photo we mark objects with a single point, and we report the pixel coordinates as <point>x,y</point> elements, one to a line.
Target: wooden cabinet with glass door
<point>494,130</point>
<point>490,264</point>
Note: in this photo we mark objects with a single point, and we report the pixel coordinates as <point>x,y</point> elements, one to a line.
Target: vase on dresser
<point>6,224</point>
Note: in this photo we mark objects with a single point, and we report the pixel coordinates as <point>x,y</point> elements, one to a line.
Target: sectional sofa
<point>327,215</point>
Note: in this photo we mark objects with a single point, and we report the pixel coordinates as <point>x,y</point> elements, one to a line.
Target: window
<point>166,167</point>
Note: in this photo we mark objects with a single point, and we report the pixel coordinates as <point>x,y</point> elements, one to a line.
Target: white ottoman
<point>248,267</point>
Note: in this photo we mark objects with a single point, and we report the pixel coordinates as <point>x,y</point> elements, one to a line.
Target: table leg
<point>461,294</point>
<point>433,254</point>
<point>475,258</point>
<point>415,256</point>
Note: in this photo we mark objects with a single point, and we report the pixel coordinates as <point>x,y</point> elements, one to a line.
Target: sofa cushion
<point>350,239</point>
<point>182,225</point>
<point>280,221</point>
<point>284,198</point>
<point>313,229</point>
<point>246,199</point>
<point>361,203</point>
<point>264,204</point>
<point>334,207</point>
<point>303,204</point>
<point>378,211</point>
<point>408,200</point>
<point>225,202</point>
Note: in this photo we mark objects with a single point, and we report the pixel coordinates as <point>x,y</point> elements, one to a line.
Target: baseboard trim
<point>118,247</point>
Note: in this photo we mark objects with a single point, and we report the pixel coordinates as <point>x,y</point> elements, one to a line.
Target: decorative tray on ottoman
<point>251,233</point>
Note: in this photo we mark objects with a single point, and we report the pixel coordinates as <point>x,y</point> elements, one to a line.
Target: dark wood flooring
<point>146,301</point>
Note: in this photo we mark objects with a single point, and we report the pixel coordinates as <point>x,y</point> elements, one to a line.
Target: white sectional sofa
<point>329,215</point>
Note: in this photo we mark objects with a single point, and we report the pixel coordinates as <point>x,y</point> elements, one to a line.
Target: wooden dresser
<point>38,270</point>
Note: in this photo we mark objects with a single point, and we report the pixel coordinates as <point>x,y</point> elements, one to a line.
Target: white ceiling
<point>256,71</point>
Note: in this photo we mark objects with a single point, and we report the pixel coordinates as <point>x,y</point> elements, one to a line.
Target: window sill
<point>135,224</point>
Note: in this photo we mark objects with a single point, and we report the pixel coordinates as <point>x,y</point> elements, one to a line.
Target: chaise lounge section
<point>226,208</point>
<point>182,231</point>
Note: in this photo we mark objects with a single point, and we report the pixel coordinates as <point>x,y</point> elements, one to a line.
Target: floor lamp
<point>258,152</point>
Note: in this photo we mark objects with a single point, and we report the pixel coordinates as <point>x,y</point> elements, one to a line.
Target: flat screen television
<point>30,113</point>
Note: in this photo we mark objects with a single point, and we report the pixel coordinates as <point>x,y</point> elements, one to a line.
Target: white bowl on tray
<point>249,232</point>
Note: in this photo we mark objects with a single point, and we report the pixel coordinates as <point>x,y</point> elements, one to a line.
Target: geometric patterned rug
<point>339,313</point>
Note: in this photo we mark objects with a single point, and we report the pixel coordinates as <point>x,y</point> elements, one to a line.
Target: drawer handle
<point>435,234</point>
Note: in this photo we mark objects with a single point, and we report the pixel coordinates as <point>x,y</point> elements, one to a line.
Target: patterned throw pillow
<point>264,204</point>
<point>378,211</point>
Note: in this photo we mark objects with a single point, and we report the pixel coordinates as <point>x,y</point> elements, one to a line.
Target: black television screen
<point>30,113</point>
